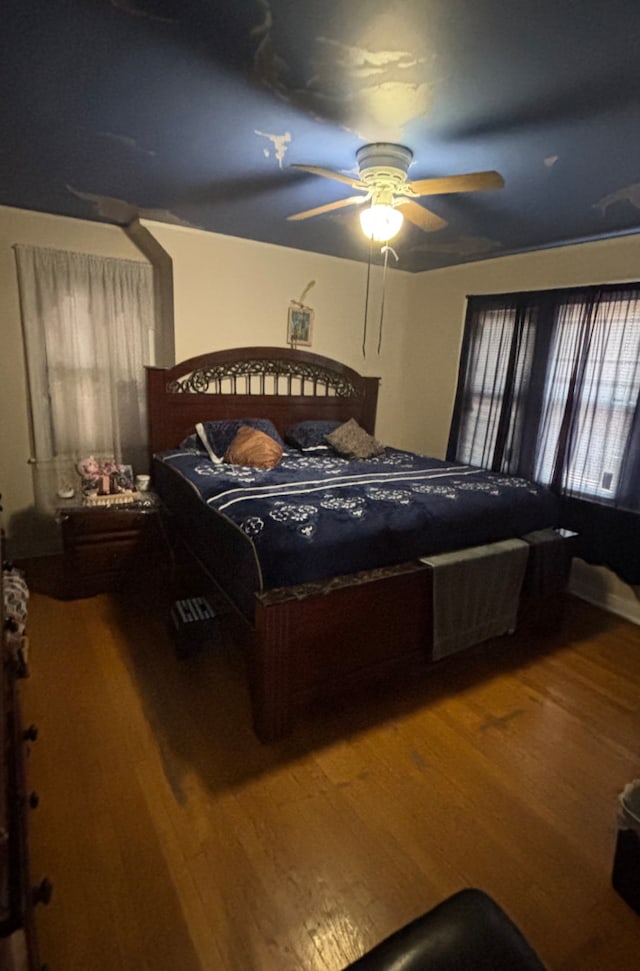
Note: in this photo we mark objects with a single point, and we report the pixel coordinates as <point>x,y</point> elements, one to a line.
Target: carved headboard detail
<point>282,384</point>
<point>261,376</point>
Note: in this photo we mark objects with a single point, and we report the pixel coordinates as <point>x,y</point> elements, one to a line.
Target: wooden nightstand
<point>108,546</point>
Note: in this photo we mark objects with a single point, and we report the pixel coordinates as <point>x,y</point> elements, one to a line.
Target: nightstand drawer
<point>93,523</point>
<point>105,548</point>
<point>103,557</point>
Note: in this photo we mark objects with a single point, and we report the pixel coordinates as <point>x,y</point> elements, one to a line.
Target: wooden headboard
<point>279,383</point>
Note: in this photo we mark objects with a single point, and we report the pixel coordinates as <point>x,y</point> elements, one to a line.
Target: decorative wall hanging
<point>300,320</point>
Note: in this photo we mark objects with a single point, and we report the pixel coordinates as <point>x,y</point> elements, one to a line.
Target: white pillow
<point>205,441</point>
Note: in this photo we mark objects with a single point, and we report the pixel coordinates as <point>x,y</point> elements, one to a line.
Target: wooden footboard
<point>320,641</point>
<point>311,644</point>
<point>329,643</point>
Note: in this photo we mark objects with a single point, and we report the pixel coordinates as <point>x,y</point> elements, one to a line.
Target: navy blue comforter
<point>317,516</point>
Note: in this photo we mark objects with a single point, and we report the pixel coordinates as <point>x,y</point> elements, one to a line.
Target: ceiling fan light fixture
<point>381,222</point>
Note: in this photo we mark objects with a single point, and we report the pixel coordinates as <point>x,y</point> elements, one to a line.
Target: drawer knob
<point>34,800</point>
<point>42,893</point>
<point>30,734</point>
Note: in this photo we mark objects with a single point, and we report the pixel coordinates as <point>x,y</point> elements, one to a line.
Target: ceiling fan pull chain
<point>366,302</point>
<point>386,250</point>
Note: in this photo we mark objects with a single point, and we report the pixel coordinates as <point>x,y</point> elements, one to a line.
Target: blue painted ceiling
<point>193,111</point>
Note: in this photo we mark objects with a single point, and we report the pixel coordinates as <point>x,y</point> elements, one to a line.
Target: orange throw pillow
<point>253,447</point>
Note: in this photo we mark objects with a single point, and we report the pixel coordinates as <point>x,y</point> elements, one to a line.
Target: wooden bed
<point>318,640</point>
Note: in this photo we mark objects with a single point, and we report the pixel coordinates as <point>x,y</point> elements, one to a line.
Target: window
<point>488,363</point>
<point>606,352</point>
<point>89,329</point>
<point>549,387</point>
<point>501,345</point>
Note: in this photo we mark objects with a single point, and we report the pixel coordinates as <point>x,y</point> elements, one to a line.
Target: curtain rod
<point>577,288</point>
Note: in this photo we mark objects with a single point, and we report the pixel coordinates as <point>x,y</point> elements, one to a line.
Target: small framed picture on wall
<point>300,326</point>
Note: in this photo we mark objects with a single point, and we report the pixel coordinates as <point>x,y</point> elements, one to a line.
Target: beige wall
<point>437,305</point>
<point>24,530</point>
<point>232,292</point>
<point>435,325</point>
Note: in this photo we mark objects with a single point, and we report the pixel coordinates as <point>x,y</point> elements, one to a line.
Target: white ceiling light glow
<point>381,222</point>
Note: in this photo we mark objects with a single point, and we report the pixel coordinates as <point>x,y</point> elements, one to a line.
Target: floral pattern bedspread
<point>319,515</point>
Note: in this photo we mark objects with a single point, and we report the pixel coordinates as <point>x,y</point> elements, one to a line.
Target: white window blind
<point>607,349</point>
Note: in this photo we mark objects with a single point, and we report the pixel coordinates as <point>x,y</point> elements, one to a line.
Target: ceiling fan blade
<point>330,174</point>
<point>471,182</point>
<point>421,217</point>
<point>329,207</point>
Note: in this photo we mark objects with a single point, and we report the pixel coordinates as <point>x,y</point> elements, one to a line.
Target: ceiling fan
<point>383,179</point>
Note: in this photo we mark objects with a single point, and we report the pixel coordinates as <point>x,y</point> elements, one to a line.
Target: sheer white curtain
<point>568,411</point>
<point>88,330</point>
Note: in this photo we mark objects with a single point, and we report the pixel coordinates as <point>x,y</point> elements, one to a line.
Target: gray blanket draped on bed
<point>476,593</point>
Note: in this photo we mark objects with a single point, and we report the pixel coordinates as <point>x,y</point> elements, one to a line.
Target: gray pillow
<point>353,442</point>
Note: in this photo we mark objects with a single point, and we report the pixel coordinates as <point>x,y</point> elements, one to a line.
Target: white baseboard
<point>622,606</point>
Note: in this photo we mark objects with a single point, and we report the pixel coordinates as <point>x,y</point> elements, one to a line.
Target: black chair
<point>466,932</point>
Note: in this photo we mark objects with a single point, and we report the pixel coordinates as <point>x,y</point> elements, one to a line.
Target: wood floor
<point>175,841</point>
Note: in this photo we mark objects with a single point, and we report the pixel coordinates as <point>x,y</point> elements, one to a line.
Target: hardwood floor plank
<point>174,839</point>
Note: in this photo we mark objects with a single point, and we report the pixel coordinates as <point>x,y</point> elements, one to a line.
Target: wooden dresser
<point>18,897</point>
